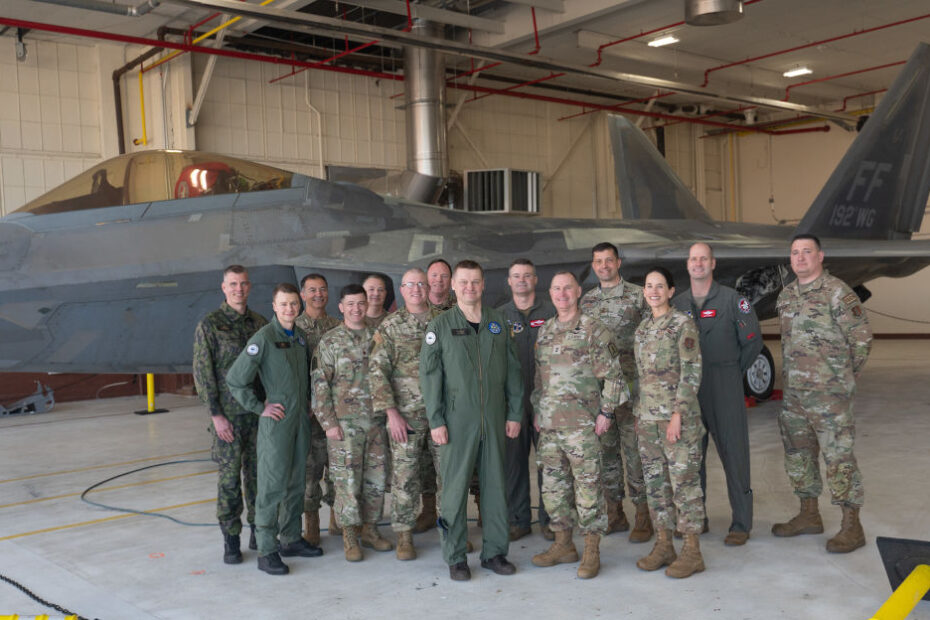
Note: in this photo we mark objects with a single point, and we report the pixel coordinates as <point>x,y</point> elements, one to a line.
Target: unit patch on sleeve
<point>689,343</point>
<point>430,338</point>
<point>252,349</point>
<point>743,305</point>
<point>851,300</point>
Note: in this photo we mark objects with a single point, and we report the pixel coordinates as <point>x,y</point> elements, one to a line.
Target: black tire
<point>759,380</point>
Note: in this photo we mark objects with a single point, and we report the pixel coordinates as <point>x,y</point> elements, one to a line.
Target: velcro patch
<point>851,300</point>
<point>430,337</point>
<point>708,314</point>
<point>252,349</point>
<point>857,311</point>
<point>689,343</point>
<point>744,305</point>
<point>459,331</point>
<point>613,350</point>
<point>282,345</point>
<point>537,323</point>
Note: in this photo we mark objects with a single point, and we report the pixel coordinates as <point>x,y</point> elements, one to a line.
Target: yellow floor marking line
<point>103,520</point>
<point>92,467</point>
<point>113,488</point>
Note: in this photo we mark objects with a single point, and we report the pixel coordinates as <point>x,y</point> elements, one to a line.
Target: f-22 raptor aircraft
<point>111,271</point>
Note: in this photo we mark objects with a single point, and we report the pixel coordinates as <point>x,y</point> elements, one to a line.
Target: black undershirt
<point>474,326</point>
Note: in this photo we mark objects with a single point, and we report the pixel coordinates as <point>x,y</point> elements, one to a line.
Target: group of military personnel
<point>446,396</point>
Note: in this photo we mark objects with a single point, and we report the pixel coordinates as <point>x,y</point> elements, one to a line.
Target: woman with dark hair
<point>669,428</point>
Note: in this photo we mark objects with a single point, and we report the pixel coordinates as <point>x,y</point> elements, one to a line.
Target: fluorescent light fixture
<point>666,40</point>
<point>797,72</point>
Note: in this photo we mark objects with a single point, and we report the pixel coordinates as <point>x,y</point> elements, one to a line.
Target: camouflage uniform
<point>342,397</point>
<point>374,322</point>
<point>572,359</point>
<point>317,457</point>
<point>825,339</point>
<point>668,363</point>
<point>218,340</point>
<point>394,376</point>
<point>621,308</point>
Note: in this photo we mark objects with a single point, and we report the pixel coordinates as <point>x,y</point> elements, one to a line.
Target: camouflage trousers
<point>815,422</point>
<point>238,473</point>
<point>672,472</point>
<point>571,474</point>
<point>619,439</point>
<point>429,468</point>
<point>317,462</point>
<point>406,476</point>
<point>356,464</point>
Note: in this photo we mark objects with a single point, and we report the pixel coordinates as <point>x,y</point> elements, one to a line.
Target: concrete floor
<point>107,564</point>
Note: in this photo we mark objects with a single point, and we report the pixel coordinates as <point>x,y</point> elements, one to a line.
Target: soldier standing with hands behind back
<point>218,341</point>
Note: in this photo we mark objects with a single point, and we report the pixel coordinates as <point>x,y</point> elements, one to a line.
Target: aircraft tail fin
<point>647,185</point>
<point>879,189</point>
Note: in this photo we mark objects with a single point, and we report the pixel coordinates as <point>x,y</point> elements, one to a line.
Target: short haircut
<point>377,276</point>
<point>313,276</point>
<point>284,287</point>
<point>352,289</point>
<point>709,247</point>
<point>522,261</point>
<point>414,270</point>
<point>665,273</point>
<point>439,261</point>
<point>235,269</point>
<point>604,246</point>
<point>810,236</point>
<point>468,264</point>
<point>565,272</point>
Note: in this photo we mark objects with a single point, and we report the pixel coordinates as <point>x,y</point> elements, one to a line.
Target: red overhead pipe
<point>840,75</point>
<point>848,97</point>
<point>496,64</point>
<point>854,33</point>
<point>348,51</point>
<point>94,34</point>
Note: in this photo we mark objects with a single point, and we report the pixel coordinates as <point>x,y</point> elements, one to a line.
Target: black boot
<point>299,547</point>
<point>231,553</point>
<point>252,544</point>
<point>272,564</point>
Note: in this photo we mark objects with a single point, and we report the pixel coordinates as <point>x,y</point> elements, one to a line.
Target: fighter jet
<point>111,271</point>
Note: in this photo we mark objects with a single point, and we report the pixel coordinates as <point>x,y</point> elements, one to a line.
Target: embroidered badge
<point>851,300</point>
<point>708,314</point>
<point>743,305</point>
<point>494,327</point>
<point>430,338</point>
<point>857,311</point>
<point>689,343</point>
<point>252,349</point>
<point>460,331</point>
<point>613,350</point>
<point>537,323</point>
<point>516,328</point>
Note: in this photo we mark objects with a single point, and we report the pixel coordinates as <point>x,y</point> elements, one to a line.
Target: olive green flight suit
<point>282,363</point>
<point>471,384</point>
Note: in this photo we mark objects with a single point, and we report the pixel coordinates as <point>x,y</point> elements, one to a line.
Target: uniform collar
<point>663,320</point>
<point>279,329</point>
<point>231,314</point>
<point>812,285</point>
<point>618,289</point>
<point>567,327</point>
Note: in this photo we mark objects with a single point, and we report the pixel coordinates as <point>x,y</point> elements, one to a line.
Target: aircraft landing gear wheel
<point>759,380</point>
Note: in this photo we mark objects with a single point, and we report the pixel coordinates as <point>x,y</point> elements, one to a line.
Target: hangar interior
<point>80,83</point>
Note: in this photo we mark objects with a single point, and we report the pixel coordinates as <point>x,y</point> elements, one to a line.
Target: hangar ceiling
<point>853,48</point>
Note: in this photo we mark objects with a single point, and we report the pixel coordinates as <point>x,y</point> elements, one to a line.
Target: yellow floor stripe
<point>72,471</point>
<point>103,520</point>
<point>113,488</point>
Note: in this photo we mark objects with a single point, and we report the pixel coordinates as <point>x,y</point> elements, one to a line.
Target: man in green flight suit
<point>278,355</point>
<point>471,384</point>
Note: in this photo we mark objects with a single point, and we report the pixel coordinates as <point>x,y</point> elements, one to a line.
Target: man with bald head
<point>730,341</point>
<point>394,379</point>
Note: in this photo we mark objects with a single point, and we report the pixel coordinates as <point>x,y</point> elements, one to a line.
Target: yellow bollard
<point>906,596</point>
<point>149,398</point>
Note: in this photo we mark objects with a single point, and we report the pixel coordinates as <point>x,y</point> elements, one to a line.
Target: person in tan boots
<point>669,428</point>
<point>825,340</point>
<point>575,354</point>
<point>356,435</point>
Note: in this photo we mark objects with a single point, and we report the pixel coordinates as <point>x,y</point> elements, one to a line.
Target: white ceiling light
<point>797,72</point>
<point>666,40</point>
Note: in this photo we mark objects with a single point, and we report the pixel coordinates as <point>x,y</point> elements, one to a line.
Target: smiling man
<point>278,355</point>
<point>825,340</point>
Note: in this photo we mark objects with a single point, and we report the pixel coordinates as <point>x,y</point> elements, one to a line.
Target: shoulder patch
<point>851,300</point>
<point>689,343</point>
<point>743,305</point>
<point>494,327</point>
<point>430,338</point>
<point>857,311</point>
<point>252,349</point>
<point>613,350</point>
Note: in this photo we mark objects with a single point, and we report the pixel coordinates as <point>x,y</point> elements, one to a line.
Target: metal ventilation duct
<point>425,94</point>
<point>712,12</point>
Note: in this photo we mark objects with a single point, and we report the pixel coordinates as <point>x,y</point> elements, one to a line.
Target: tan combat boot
<point>616,520</point>
<point>689,560</point>
<point>642,525</point>
<point>405,550</point>
<point>851,536</point>
<point>372,538</point>
<point>426,520</point>
<point>662,554</point>
<point>312,528</point>
<point>562,551</point>
<point>334,529</point>
<point>591,559</point>
<point>807,521</point>
<point>350,543</point>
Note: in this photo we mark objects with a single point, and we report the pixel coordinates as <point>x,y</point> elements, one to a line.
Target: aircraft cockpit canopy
<point>158,175</point>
